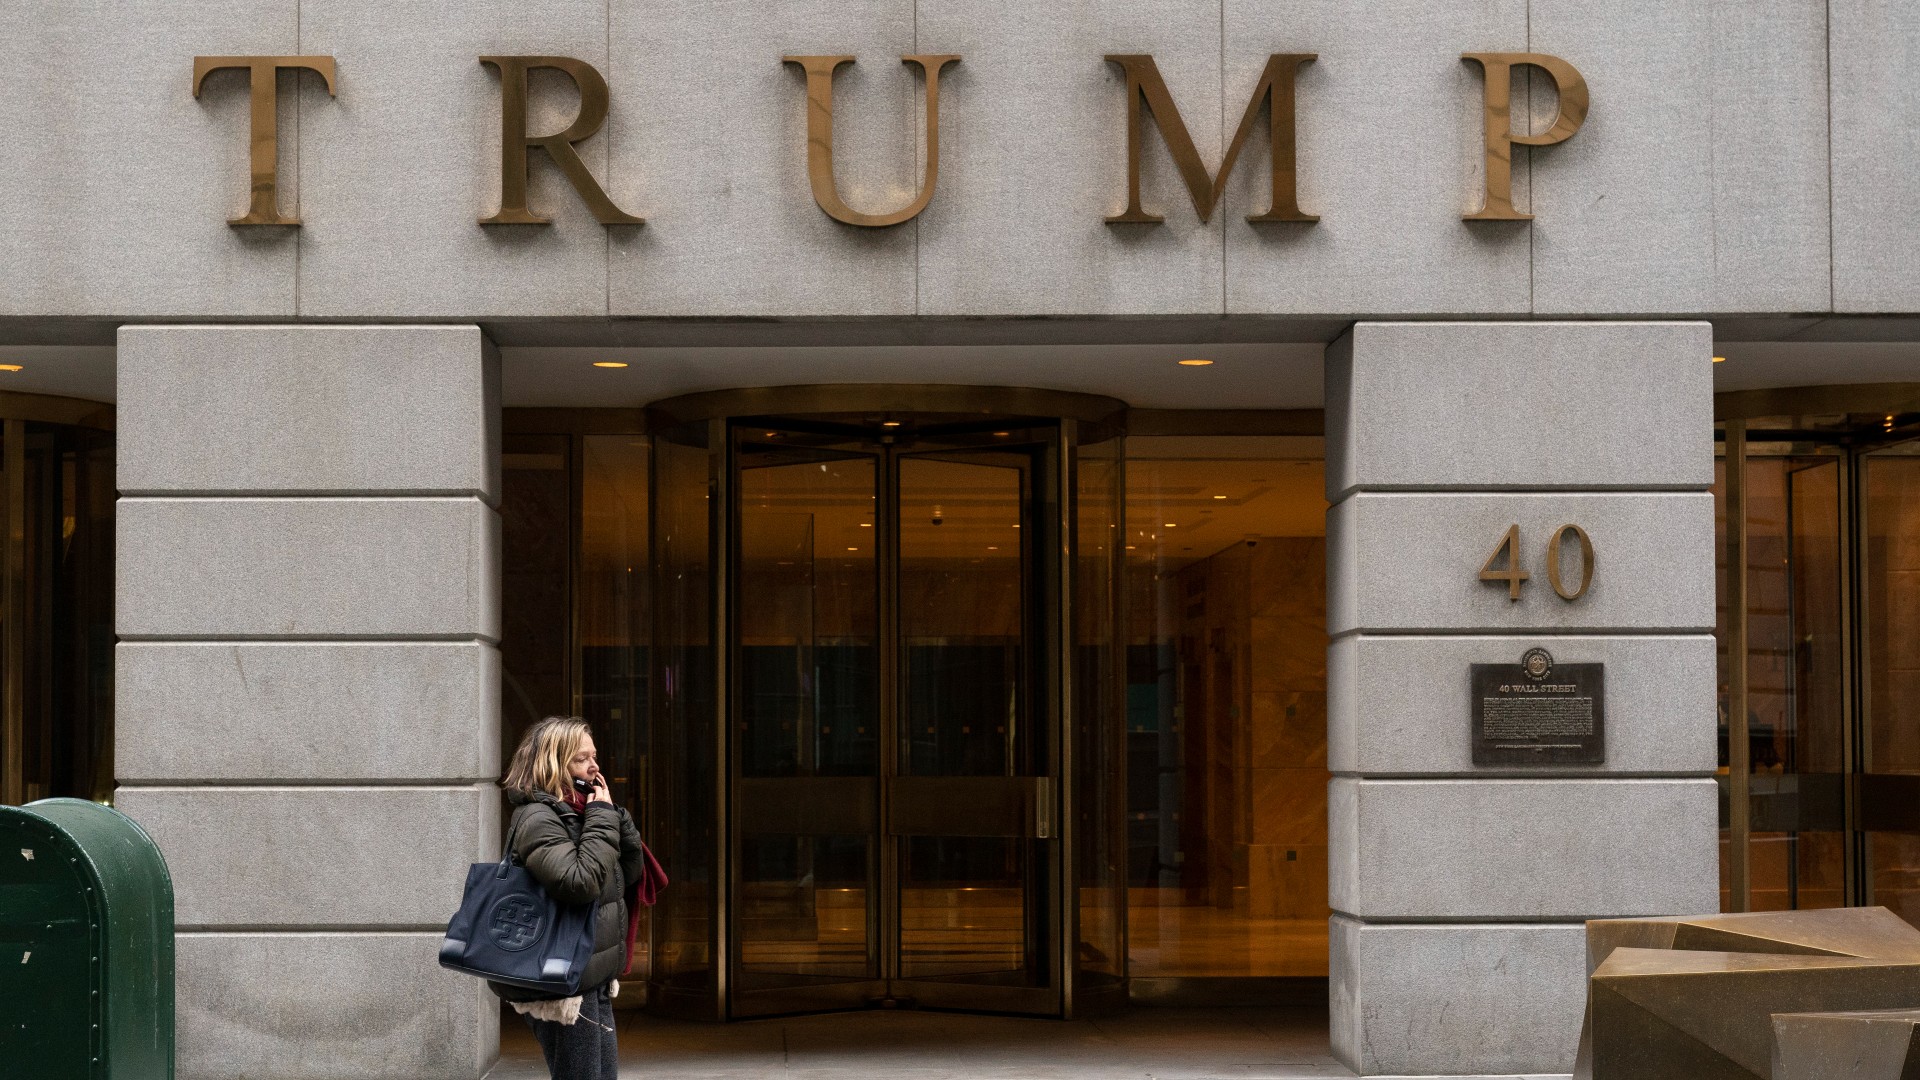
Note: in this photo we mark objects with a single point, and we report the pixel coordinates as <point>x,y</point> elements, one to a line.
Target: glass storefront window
<point>56,611</point>
<point>1795,679</point>
<point>1225,551</point>
<point>1828,612</point>
<point>1890,788</point>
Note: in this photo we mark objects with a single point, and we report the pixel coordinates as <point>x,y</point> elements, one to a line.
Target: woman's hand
<point>600,790</point>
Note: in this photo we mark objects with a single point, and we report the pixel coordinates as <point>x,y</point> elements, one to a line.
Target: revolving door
<point>886,747</point>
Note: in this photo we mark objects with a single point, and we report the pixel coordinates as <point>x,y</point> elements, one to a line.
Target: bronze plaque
<point>1538,712</point>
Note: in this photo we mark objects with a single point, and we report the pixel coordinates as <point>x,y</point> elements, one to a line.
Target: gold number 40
<point>1514,576</point>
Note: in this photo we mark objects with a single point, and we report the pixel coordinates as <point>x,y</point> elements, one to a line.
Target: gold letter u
<point>820,71</point>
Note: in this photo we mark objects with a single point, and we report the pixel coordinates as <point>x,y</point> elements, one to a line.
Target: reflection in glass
<point>969,685</point>
<point>807,708</point>
<point>1795,679</point>
<point>682,757</point>
<point>56,568</point>
<point>1226,707</point>
<point>1891,790</point>
<point>1098,684</point>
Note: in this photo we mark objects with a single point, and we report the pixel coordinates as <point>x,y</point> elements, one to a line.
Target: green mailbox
<point>86,945</point>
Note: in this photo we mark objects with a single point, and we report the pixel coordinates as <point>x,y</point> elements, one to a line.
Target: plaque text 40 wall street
<point>1146,93</point>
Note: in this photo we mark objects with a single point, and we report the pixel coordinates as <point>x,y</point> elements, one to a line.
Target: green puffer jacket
<point>579,858</point>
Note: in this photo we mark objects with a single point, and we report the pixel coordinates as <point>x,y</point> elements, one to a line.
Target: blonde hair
<point>540,763</point>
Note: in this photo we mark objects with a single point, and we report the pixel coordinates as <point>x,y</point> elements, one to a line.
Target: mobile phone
<point>584,787</point>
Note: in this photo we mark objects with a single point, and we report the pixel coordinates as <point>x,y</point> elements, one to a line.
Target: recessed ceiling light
<point>609,363</point>
<point>853,549</point>
<point>1195,363</point>
<point>9,367</point>
<point>1719,359</point>
<point>1219,496</point>
<point>1171,525</point>
<point>866,524</point>
<point>889,423</point>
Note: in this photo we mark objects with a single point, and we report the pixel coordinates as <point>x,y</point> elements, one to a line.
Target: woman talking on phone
<point>581,847</point>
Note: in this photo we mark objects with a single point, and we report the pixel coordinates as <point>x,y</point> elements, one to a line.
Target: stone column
<point>1459,891</point>
<point>306,683</point>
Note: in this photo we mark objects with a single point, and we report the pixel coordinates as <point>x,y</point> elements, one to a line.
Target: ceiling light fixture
<point>1219,496</point>
<point>609,363</point>
<point>889,423</point>
<point>1195,363</point>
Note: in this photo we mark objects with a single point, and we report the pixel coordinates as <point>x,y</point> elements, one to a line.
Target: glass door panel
<point>971,809</point>
<point>1890,787</point>
<point>807,727</point>
<point>892,692</point>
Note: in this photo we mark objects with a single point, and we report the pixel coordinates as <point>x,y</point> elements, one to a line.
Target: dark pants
<point>584,1049</point>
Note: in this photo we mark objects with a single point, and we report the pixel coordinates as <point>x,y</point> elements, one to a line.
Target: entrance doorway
<point>887,657</point>
<point>1067,732</point>
<point>1819,493</point>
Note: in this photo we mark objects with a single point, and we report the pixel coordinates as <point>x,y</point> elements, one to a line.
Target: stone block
<point>1412,562</point>
<point>1624,210</point>
<point>398,171</point>
<point>1389,156</point>
<point>305,568</point>
<point>1772,247</point>
<point>732,227</point>
<point>1875,132</point>
<point>1033,160</point>
<point>315,858</point>
<point>119,182</point>
<point>1491,406</point>
<point>1403,704</point>
<point>1453,1000</point>
<point>329,1006</point>
<point>265,711</point>
<point>319,409</point>
<point>1528,849</point>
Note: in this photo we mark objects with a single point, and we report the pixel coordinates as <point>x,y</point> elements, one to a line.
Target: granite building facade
<point>714,457</point>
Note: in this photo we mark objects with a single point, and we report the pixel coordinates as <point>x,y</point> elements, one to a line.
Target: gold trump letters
<point>1499,122</point>
<point>826,191</point>
<point>264,208</point>
<point>1146,92</point>
<point>514,140</point>
<point>1275,90</point>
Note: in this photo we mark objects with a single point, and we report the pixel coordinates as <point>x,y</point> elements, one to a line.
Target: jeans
<point>584,1049</point>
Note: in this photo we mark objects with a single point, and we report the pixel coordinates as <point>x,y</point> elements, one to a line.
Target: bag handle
<point>506,849</point>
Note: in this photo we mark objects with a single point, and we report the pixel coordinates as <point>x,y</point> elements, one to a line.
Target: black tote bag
<point>510,931</point>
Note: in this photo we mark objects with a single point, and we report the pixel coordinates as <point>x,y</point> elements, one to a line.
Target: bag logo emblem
<point>514,923</point>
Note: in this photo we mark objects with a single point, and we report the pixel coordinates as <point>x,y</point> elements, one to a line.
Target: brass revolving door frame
<point>1064,424</point>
